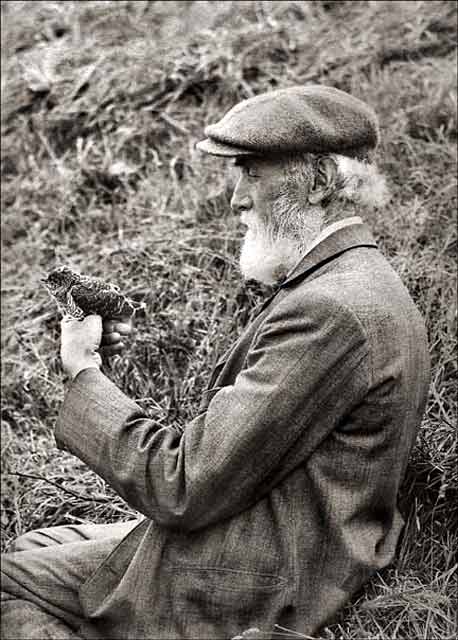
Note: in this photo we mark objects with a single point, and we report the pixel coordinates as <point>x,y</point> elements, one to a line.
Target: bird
<point>78,295</point>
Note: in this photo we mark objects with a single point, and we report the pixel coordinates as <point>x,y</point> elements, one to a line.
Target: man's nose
<point>240,201</point>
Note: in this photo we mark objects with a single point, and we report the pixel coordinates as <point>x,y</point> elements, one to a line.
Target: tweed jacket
<point>279,500</point>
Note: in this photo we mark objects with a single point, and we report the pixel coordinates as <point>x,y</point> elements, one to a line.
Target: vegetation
<point>102,104</point>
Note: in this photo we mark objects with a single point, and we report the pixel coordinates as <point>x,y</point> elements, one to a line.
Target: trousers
<point>42,574</point>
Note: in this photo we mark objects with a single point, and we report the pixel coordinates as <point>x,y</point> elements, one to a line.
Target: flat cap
<point>313,119</point>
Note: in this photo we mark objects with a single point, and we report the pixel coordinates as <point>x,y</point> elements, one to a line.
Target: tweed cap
<point>313,119</point>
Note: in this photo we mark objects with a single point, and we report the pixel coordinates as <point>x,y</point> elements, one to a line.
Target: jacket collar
<point>332,246</point>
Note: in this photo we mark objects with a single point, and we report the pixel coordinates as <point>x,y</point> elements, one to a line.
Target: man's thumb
<point>92,322</point>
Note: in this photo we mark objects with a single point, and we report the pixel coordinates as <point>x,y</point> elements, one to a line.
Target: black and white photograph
<point>229,320</point>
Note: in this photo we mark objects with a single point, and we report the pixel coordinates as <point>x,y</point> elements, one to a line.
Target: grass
<point>99,171</point>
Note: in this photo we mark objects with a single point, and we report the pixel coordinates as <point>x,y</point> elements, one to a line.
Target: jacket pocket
<point>216,594</point>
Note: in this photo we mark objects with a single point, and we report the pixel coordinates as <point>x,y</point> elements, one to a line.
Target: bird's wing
<point>71,308</point>
<point>97,284</point>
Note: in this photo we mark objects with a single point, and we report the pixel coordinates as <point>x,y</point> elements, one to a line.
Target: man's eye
<point>251,173</point>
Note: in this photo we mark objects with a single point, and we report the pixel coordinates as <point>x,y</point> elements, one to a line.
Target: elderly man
<point>279,500</point>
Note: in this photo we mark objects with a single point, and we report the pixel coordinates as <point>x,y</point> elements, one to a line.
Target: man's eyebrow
<point>244,162</point>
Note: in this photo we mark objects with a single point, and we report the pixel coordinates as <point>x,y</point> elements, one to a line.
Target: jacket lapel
<point>340,241</point>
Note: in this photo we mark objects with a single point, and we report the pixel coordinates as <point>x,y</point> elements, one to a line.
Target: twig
<point>173,123</point>
<point>80,496</point>
<point>291,632</point>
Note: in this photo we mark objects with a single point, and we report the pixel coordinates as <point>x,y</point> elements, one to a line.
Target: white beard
<point>267,256</point>
<point>264,259</point>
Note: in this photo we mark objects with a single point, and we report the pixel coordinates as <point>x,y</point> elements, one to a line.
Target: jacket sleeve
<point>273,416</point>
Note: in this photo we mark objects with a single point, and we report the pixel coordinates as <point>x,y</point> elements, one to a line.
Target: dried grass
<point>102,103</point>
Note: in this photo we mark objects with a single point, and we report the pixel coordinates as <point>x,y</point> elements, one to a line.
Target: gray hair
<point>359,181</point>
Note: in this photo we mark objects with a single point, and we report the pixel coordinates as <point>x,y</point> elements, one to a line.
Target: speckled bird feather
<point>79,296</point>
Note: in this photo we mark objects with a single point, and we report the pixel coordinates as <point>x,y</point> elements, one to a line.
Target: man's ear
<point>325,180</point>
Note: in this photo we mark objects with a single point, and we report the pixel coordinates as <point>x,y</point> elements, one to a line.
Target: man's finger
<point>122,327</point>
<point>110,338</point>
<point>93,320</point>
<point>113,349</point>
<point>108,326</point>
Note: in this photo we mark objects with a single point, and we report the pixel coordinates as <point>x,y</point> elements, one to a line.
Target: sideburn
<point>291,220</point>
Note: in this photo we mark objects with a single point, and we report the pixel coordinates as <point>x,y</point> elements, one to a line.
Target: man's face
<point>279,221</point>
<point>259,183</point>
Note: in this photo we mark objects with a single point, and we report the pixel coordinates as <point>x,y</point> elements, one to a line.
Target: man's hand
<point>80,341</point>
<point>113,331</point>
